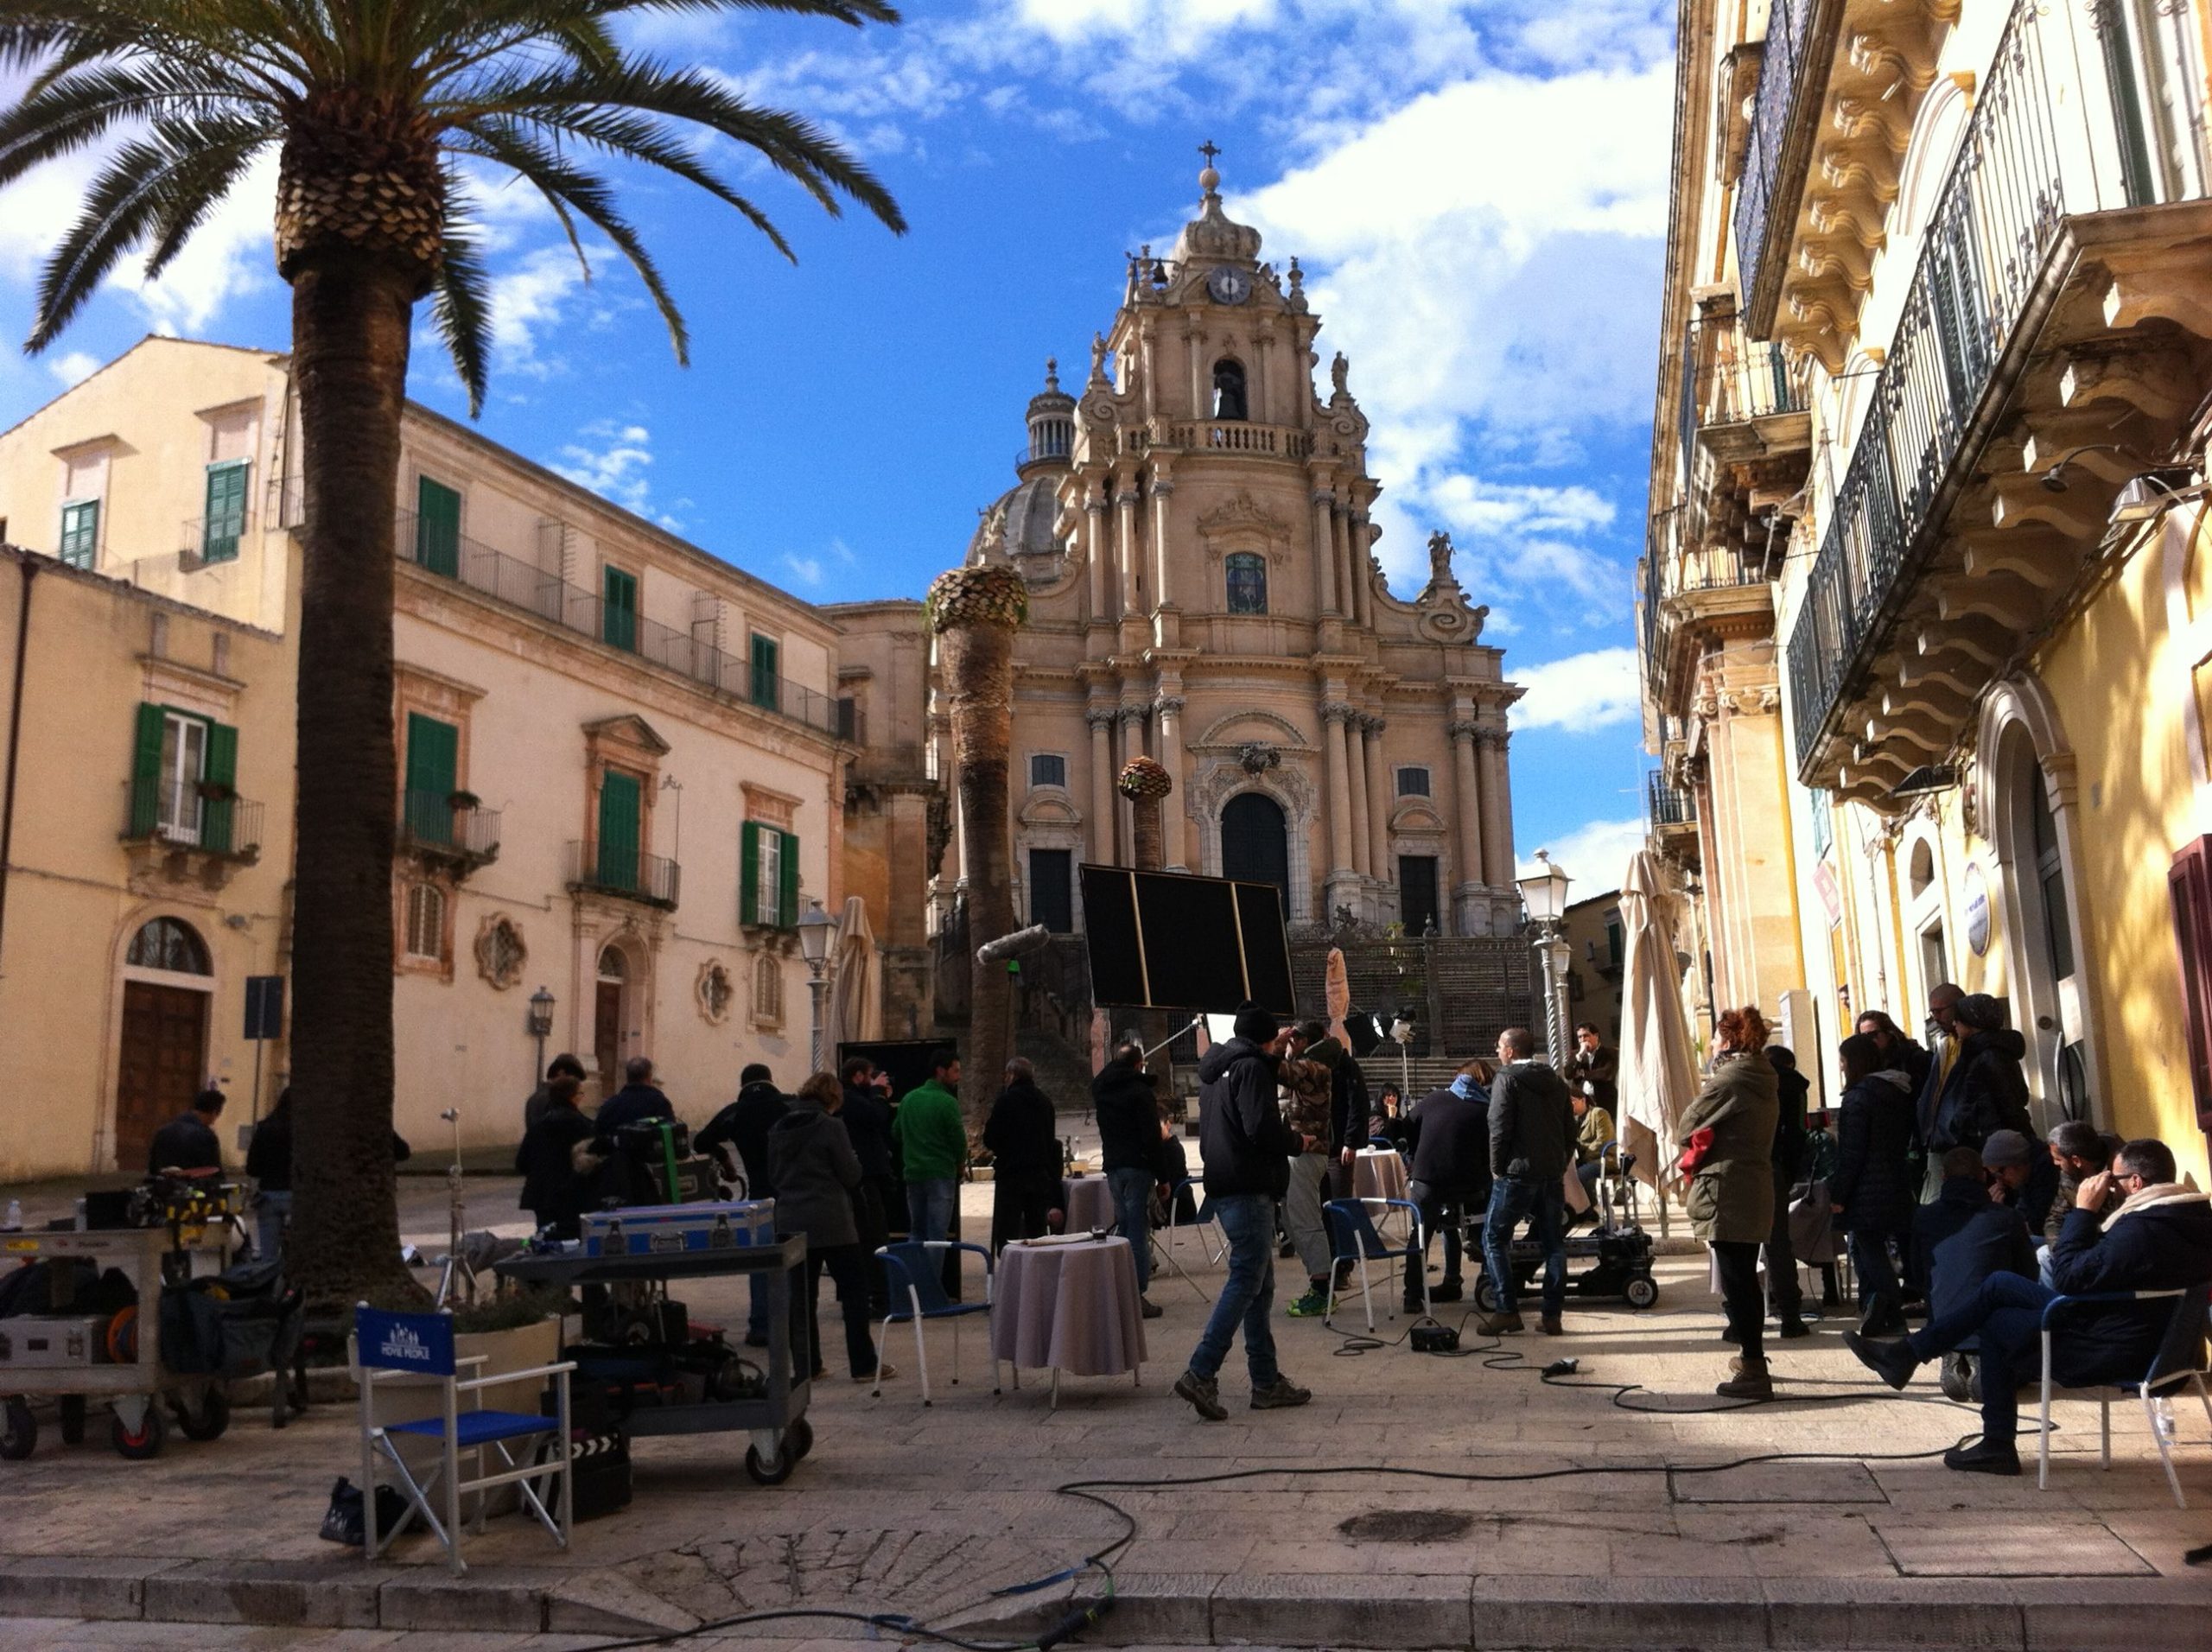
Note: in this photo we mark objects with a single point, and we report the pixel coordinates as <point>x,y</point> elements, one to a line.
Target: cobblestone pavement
<point>923,1512</point>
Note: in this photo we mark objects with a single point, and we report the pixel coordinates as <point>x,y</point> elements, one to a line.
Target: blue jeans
<point>270,1214</point>
<point>1512,1198</point>
<point>930,1206</point>
<point>2007,1314</point>
<point>1249,1221</point>
<point>1131,1186</point>
<point>1870,1259</point>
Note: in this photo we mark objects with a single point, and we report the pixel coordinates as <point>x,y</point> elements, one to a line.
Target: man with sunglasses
<point>2159,1239</point>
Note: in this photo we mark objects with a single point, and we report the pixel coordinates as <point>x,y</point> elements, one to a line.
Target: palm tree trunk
<point>351,318</point>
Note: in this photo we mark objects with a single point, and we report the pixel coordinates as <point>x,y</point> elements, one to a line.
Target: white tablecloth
<point>1088,1202</point>
<point>1378,1174</point>
<point>1073,1307</point>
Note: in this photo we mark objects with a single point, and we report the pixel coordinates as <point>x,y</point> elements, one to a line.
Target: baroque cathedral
<point>1192,525</point>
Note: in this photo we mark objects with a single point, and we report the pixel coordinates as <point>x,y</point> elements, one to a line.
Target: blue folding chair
<point>1201,1216</point>
<point>915,1269</point>
<point>2180,1360</point>
<point>1353,1238</point>
<point>421,1344</point>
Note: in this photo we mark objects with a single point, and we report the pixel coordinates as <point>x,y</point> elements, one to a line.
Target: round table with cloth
<point>1378,1174</point>
<point>1089,1202</point>
<point>1071,1307</point>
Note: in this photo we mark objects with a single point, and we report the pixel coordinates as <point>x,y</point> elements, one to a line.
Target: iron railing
<point>2025,164</point>
<point>213,820</point>
<point>1731,379</point>
<point>526,585</point>
<point>432,822</point>
<point>1669,571</point>
<point>202,548</point>
<point>1668,805</point>
<point>618,869</point>
<point>1774,110</point>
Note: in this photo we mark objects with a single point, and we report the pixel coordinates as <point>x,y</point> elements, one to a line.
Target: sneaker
<point>1893,1361</point>
<point>1750,1383</point>
<point>1497,1324</point>
<point>1279,1394</point>
<point>1447,1291</point>
<point>884,1371</point>
<point>1203,1394</point>
<point>1313,1305</point>
<point>1984,1456</point>
<point>1793,1328</point>
<point>1550,1326</point>
<point>1148,1308</point>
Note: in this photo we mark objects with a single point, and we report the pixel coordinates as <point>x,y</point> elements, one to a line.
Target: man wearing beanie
<point>1246,1148</point>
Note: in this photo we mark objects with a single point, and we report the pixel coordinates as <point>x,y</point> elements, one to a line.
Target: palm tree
<point>374,106</point>
<point>974,612</point>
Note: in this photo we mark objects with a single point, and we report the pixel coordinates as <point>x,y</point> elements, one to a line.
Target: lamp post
<point>817,932</point>
<point>541,1024</point>
<point>1544,892</point>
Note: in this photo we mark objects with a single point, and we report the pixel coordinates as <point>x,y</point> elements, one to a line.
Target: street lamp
<point>541,1024</point>
<point>1544,892</point>
<point>817,933</point>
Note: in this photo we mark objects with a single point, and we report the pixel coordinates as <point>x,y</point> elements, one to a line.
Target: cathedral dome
<point>1018,523</point>
<point>1211,234</point>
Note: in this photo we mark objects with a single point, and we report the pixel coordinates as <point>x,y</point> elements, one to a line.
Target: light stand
<point>817,933</point>
<point>455,1268</point>
<point>1401,1033</point>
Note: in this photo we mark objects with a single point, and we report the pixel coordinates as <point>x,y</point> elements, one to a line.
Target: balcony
<point>627,873</point>
<point>2050,334</point>
<point>189,833</point>
<point>1211,436</point>
<point>447,830</point>
<point>1694,597</point>
<point>528,587</point>
<point>1668,805</point>
<point>203,549</point>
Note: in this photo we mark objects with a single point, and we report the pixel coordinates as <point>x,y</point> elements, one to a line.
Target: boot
<point>1985,1456</point>
<point>1750,1383</point>
<point>1794,1327</point>
<point>1496,1325</point>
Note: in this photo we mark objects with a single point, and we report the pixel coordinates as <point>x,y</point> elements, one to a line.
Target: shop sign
<point>1831,897</point>
<point>1977,906</point>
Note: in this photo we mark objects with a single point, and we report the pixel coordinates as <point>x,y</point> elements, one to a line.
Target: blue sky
<point>1477,189</point>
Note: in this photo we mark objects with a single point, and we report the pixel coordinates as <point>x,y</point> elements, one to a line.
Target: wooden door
<point>606,1035</point>
<point>163,1065</point>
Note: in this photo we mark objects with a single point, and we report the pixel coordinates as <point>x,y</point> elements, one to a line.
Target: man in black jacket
<point>1247,1148</point>
<point>1022,1133</point>
<point>2160,1239</point>
<point>1126,1104</point>
<point>1785,1298</point>
<point>188,1141</point>
<point>1985,1090</point>
<point>1531,1145</point>
<point>1449,1130</point>
<point>744,1126</point>
<point>639,1100</point>
<point>1960,1239</point>
<point>867,1118</point>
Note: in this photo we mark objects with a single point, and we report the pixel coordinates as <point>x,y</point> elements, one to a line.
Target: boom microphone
<point>1022,940</point>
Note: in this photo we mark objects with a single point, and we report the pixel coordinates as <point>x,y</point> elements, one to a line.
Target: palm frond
<point>460,307</point>
<point>225,147</point>
<point>78,111</point>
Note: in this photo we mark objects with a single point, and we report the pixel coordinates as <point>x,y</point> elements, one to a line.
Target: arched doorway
<point>611,1017</point>
<point>1255,841</point>
<point>168,982</point>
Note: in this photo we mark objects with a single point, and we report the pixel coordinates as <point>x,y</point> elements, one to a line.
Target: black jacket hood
<point>1219,1060</point>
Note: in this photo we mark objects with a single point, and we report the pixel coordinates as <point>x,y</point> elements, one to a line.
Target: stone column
<point>1103,798</point>
<point>1467,803</point>
<point>1336,715</point>
<point>1163,586</point>
<point>1347,597</point>
<point>1324,556</point>
<point>1355,755</point>
<point>1132,717</point>
<point>1167,707</point>
<point>1363,565</point>
<point>1378,801</point>
<point>1497,864</point>
<point>1125,518</point>
<point>1093,546</point>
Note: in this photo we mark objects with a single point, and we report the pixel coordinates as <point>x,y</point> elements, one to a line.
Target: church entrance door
<point>1256,842</point>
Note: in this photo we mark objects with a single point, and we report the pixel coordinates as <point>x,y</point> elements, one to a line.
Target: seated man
<point>2160,1239</point>
<point>1593,1134</point>
<point>1962,1237</point>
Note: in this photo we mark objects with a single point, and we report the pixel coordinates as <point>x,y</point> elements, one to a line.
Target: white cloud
<point>1595,855</point>
<point>807,571</point>
<point>229,254</point>
<point>72,367</point>
<point>1580,694</point>
<point>611,461</point>
<point>530,298</point>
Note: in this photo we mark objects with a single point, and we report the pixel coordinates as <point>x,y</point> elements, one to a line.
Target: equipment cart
<point>654,1341</point>
<point>116,1356</point>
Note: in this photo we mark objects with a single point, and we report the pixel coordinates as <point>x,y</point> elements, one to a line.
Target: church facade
<point>1192,524</point>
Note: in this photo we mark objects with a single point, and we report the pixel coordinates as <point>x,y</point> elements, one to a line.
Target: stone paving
<point>923,1512</point>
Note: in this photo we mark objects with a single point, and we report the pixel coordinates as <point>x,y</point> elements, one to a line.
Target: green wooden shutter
<point>765,687</point>
<point>217,815</point>
<point>787,897</point>
<point>146,769</point>
<point>80,533</point>
<point>224,521</point>
<point>748,873</point>
<point>433,767</point>
<point>618,622</point>
<point>437,528</point>
<point>618,830</point>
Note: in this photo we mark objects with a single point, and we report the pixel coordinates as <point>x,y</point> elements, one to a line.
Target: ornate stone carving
<point>1168,705</point>
<point>1102,719</point>
<point>1243,511</point>
<point>714,992</point>
<point>500,952</point>
<point>1257,758</point>
<point>1132,713</point>
<point>1369,723</point>
<point>1464,730</point>
<point>1335,711</point>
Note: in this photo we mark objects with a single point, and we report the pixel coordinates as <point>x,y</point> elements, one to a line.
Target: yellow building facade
<point>623,772</point>
<point>1972,244</point>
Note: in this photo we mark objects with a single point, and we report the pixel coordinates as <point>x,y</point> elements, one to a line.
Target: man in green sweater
<point>932,1142</point>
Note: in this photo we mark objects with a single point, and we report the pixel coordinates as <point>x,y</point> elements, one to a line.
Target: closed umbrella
<point>1335,994</point>
<point>855,1002</point>
<point>1658,1076</point>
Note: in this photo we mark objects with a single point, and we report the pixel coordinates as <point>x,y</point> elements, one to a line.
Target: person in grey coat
<point>1727,1140</point>
<point>816,1172</point>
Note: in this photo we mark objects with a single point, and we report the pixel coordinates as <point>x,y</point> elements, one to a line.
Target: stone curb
<point>1484,1614</point>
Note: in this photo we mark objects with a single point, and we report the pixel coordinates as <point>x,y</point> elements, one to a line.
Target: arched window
<point>612,965</point>
<point>169,943</point>
<point>426,922</point>
<point>1247,583</point>
<point>768,989</point>
<point>1228,401</point>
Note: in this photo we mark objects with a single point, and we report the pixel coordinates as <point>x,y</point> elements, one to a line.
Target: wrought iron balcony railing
<point>607,869</point>
<point>1766,195</point>
<point>434,823</point>
<point>1729,378</point>
<point>1668,805</point>
<point>526,585</point>
<point>2025,165</point>
<point>212,819</point>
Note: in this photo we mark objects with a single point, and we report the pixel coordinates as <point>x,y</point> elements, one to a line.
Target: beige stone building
<point>622,770</point>
<point>1192,522</point>
<point>1926,612</point>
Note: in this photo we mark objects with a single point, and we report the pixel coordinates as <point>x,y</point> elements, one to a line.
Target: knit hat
<point>1256,1024</point>
<point>1982,1013</point>
<point>2003,1150</point>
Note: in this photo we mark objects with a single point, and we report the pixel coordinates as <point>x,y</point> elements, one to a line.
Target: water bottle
<point>15,1222</point>
<point>2162,1418</point>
